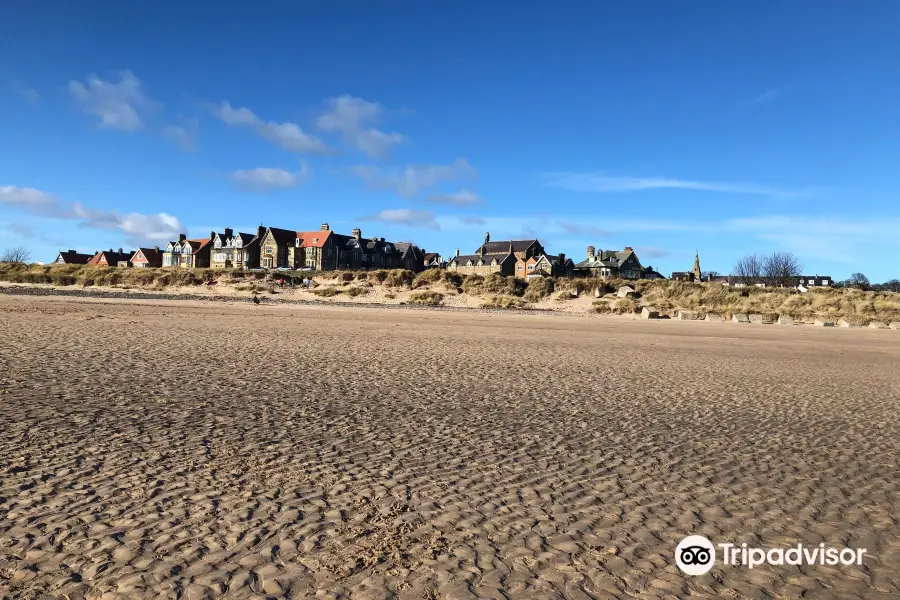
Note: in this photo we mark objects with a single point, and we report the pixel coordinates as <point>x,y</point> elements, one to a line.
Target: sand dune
<point>166,449</point>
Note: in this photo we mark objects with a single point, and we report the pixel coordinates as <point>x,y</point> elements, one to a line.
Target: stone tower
<point>698,276</point>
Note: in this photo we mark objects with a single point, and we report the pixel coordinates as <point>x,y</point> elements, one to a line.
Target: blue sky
<point>665,126</point>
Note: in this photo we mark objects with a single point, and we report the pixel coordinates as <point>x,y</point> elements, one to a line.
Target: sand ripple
<point>176,450</point>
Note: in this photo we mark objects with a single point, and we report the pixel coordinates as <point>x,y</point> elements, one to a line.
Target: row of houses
<point>268,248</point>
<point>326,250</point>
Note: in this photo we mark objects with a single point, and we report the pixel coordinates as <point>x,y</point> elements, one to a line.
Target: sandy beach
<point>178,449</point>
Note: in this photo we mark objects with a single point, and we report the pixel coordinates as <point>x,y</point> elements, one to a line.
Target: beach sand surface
<point>154,449</point>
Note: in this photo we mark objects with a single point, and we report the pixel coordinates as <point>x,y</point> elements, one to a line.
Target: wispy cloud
<point>766,96</point>
<point>185,137</point>
<point>472,220</point>
<point>289,136</point>
<point>599,183</point>
<point>410,180</point>
<point>265,179</point>
<point>137,228</point>
<point>405,216</point>
<point>582,229</point>
<point>353,119</point>
<point>118,104</point>
<point>651,252</point>
<point>29,94</point>
<point>461,198</point>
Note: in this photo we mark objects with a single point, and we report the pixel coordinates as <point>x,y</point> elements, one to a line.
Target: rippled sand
<point>165,449</point>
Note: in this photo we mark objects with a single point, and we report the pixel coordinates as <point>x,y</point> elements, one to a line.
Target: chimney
<point>628,249</point>
<point>562,258</point>
<point>229,232</point>
<point>487,237</point>
<point>212,235</point>
<point>590,253</point>
<point>382,240</point>
<point>156,248</point>
<point>457,251</point>
<point>120,251</point>
<point>181,237</point>
<point>71,251</point>
<point>325,227</point>
<point>260,231</point>
<point>357,233</point>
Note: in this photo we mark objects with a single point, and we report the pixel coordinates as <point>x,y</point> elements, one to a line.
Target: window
<point>825,282</point>
<point>270,250</point>
<point>518,267</point>
<point>218,243</point>
<point>531,267</point>
<point>812,282</point>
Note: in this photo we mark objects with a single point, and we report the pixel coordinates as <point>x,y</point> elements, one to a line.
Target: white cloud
<point>352,117</point>
<point>838,238</point>
<point>29,199</point>
<point>405,216</point>
<point>411,179</point>
<point>119,105</point>
<point>289,136</point>
<point>30,95</point>
<point>136,227</point>
<point>651,252</point>
<point>766,96</point>
<point>594,182</point>
<point>581,229</point>
<point>461,198</point>
<point>184,137</point>
<point>265,179</point>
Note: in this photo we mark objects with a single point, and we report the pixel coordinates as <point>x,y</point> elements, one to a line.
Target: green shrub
<point>325,292</point>
<point>426,298</point>
<point>539,288</point>
<point>504,302</point>
<point>353,292</point>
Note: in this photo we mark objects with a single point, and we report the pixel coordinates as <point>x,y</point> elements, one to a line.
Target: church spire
<point>698,276</point>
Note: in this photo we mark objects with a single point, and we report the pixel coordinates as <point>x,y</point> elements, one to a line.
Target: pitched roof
<point>112,257</point>
<point>313,239</point>
<point>487,258</point>
<point>246,238</point>
<point>283,236</point>
<point>151,255</point>
<point>502,247</point>
<point>606,258</point>
<point>198,245</point>
<point>71,257</point>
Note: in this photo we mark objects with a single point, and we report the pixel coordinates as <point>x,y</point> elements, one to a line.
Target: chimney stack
<point>212,235</point>
<point>590,253</point>
<point>182,237</point>
<point>229,232</point>
<point>357,233</point>
<point>325,227</point>
<point>562,258</point>
<point>156,248</point>
<point>260,231</point>
<point>628,249</point>
<point>120,251</point>
<point>457,251</point>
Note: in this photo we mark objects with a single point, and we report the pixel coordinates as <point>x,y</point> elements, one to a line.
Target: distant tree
<point>15,254</point>
<point>748,269</point>
<point>781,269</point>
<point>858,280</point>
<point>891,285</point>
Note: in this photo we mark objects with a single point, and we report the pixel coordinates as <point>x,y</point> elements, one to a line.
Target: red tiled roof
<point>313,239</point>
<point>197,248</point>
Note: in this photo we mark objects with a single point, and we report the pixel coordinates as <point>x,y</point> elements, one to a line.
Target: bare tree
<point>858,280</point>
<point>781,269</point>
<point>15,254</point>
<point>748,269</point>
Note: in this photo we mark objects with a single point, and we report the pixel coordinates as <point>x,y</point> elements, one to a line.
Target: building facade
<point>621,264</point>
<point>71,257</point>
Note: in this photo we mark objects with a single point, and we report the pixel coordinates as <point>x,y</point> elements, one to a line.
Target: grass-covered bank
<point>441,288</point>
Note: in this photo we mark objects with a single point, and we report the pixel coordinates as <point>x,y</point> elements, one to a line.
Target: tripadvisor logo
<point>696,555</point>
